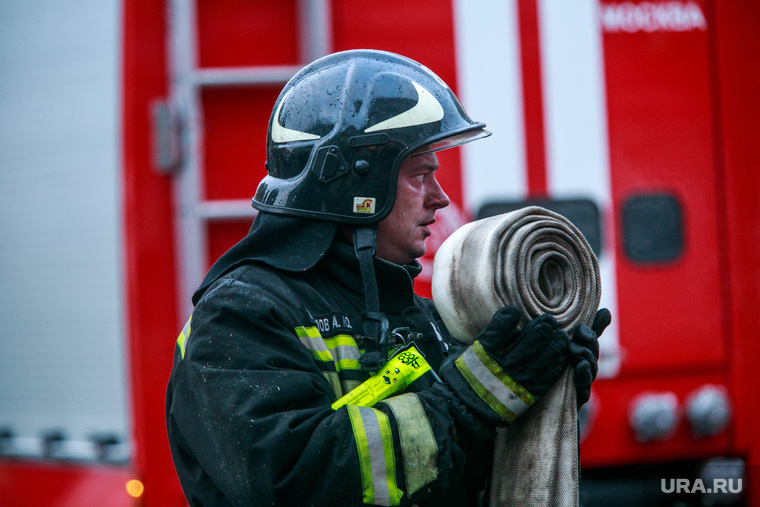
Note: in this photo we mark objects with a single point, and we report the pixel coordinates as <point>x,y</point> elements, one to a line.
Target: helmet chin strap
<point>375,324</point>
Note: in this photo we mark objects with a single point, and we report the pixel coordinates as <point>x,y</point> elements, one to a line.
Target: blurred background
<point>132,137</point>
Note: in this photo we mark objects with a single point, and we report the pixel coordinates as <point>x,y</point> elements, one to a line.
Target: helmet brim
<point>451,141</point>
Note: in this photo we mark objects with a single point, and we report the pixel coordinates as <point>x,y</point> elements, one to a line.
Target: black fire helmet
<point>343,125</point>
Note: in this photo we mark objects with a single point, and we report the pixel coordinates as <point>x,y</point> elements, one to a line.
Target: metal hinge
<point>166,126</point>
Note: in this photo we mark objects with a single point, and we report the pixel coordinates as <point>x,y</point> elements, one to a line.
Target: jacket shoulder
<point>256,281</point>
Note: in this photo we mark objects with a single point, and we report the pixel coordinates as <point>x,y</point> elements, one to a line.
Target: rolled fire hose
<point>538,261</point>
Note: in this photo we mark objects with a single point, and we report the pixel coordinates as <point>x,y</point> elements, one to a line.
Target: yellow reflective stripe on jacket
<point>334,380</point>
<point>505,396</point>
<point>374,442</point>
<point>312,340</point>
<point>340,349</point>
<point>183,336</point>
<point>418,445</point>
<point>345,351</point>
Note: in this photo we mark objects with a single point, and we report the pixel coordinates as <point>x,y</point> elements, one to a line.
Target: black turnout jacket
<point>256,369</point>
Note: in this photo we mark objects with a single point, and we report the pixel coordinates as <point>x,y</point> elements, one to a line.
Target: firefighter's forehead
<point>416,163</point>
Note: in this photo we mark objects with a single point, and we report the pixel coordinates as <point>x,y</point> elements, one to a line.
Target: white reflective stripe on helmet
<point>426,110</point>
<point>282,134</point>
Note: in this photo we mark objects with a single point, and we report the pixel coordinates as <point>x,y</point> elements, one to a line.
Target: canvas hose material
<point>538,261</point>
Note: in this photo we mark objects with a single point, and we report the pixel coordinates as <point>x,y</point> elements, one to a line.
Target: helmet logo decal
<point>282,134</point>
<point>426,110</point>
<point>364,205</point>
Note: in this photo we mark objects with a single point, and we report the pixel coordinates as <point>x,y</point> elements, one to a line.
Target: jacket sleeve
<point>249,418</point>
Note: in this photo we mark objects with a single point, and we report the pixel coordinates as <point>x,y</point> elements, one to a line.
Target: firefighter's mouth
<point>425,226</point>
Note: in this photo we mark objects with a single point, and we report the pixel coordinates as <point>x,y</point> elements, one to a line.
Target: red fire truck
<point>638,120</point>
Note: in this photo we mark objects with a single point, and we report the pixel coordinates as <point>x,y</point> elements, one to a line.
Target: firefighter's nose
<point>437,198</point>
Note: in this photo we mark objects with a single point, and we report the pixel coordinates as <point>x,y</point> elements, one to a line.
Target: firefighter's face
<point>401,235</point>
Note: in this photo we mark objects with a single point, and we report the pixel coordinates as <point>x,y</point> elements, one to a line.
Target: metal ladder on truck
<point>178,128</point>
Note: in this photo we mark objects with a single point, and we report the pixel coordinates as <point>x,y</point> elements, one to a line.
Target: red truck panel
<point>661,139</point>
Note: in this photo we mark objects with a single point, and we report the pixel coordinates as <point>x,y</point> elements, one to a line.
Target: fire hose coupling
<point>407,370</point>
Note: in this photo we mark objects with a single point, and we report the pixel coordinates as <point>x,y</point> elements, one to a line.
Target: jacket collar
<point>395,283</point>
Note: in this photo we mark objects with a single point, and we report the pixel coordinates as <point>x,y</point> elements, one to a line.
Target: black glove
<point>534,357</point>
<point>506,370</point>
<point>584,353</point>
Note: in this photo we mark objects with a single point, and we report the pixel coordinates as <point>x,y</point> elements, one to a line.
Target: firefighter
<point>310,305</point>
